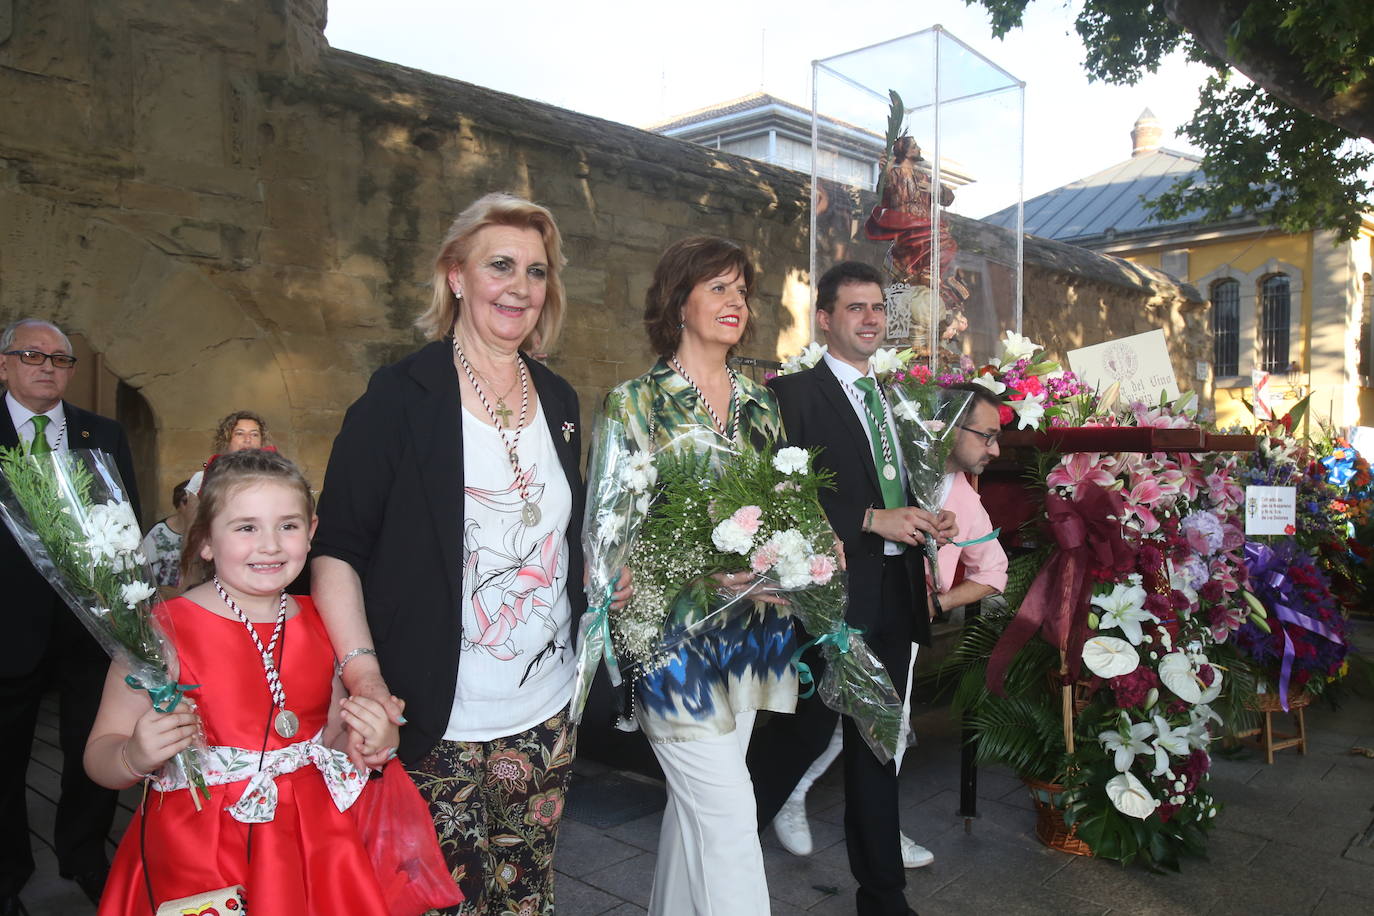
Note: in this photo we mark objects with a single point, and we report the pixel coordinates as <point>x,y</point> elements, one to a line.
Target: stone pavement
<point>1296,837</point>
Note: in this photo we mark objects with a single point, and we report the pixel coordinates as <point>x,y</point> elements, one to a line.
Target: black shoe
<point>11,905</point>
<point>92,883</point>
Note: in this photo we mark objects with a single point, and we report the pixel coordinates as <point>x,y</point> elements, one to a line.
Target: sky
<point>639,63</point>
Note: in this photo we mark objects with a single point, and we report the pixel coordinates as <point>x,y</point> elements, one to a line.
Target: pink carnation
<point>747,517</point>
<point>822,568</point>
<point>764,559</point>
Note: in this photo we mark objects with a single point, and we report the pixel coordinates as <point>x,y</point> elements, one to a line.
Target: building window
<point>1274,323</point>
<point>1226,327</point>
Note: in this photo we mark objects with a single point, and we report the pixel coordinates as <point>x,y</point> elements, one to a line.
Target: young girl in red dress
<point>273,713</point>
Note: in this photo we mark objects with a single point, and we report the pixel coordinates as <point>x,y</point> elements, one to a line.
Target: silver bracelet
<point>339,665</point>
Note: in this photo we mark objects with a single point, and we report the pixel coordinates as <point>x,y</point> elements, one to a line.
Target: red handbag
<point>398,832</point>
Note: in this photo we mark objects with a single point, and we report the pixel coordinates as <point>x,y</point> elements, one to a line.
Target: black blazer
<point>28,602</point>
<point>392,508</point>
<point>816,413</point>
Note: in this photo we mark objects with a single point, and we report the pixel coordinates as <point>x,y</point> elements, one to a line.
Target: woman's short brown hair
<point>683,265</point>
<point>497,209</point>
<point>225,430</point>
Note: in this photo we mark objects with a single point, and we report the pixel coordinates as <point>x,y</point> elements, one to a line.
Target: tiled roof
<point>1107,204</point>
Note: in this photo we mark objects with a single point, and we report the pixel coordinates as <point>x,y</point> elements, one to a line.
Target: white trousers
<point>709,859</point>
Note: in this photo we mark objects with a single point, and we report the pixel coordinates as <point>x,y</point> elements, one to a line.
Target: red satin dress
<point>307,860</point>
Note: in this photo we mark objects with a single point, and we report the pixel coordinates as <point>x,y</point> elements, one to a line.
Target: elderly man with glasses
<point>45,645</point>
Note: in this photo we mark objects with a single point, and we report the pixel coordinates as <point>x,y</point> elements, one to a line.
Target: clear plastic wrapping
<point>727,529</point>
<point>70,513</point>
<point>927,419</point>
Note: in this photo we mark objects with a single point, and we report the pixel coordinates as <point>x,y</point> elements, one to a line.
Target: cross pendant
<point>504,413</point>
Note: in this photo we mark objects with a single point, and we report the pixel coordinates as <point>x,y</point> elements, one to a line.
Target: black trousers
<point>76,666</point>
<point>783,749</point>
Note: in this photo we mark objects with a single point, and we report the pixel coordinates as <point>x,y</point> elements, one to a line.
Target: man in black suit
<point>45,644</point>
<point>837,407</point>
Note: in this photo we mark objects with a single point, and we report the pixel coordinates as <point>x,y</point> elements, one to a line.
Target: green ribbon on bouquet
<point>838,637</point>
<point>166,697</point>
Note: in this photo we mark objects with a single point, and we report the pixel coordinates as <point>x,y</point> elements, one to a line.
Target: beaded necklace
<point>285,723</point>
<point>729,432</point>
<point>529,511</point>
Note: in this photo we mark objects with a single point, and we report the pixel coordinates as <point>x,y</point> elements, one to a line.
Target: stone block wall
<point>235,215</point>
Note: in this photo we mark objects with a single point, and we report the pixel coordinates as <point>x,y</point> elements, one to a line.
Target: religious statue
<point>903,217</point>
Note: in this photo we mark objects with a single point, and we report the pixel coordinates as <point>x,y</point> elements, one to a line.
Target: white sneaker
<point>792,828</point>
<point>914,856</point>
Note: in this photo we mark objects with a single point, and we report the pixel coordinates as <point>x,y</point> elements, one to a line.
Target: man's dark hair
<point>844,272</point>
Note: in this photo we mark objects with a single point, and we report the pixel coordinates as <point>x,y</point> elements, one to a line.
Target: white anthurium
<point>1107,656</point>
<point>1176,672</point>
<point>1212,691</point>
<point>1168,741</point>
<point>1128,743</point>
<point>1199,735</point>
<point>1015,347</point>
<point>1130,796</point>
<point>990,383</point>
<point>1124,609</point>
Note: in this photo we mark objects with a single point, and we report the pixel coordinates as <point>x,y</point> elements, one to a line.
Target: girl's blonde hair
<point>227,474</point>
<point>497,209</point>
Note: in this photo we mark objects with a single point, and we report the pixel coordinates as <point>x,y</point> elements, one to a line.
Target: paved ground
<point>1296,837</point>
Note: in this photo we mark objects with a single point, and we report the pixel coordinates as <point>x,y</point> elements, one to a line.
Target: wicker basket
<point>1049,819</point>
<point>1269,702</point>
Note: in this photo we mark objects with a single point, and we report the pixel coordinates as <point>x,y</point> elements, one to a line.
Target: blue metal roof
<point>1105,204</point>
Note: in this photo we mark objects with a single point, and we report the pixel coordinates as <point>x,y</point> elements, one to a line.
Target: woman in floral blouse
<point>698,708</point>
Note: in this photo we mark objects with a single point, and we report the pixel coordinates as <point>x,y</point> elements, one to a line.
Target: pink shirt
<point>986,562</point>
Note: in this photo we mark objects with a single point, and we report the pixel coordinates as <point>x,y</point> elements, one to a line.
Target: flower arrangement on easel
<point>1135,595</point>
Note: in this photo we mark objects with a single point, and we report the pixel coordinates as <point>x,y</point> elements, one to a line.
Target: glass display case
<point>913,208</point>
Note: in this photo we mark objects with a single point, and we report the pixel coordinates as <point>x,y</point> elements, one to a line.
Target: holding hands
<point>373,732</point>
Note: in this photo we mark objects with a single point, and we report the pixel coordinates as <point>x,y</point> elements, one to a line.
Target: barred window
<point>1274,322</point>
<point>1226,327</point>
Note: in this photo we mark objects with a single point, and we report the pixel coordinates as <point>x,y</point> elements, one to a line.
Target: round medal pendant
<point>889,472</point>
<point>286,723</point>
<point>529,514</point>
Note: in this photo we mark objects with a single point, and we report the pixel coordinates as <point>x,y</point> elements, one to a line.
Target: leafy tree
<point>1286,118</point>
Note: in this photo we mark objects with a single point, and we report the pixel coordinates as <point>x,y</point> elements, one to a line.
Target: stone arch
<point>160,324</point>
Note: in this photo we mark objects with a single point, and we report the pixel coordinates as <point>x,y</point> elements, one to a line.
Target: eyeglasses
<point>36,357</point>
<point>989,438</point>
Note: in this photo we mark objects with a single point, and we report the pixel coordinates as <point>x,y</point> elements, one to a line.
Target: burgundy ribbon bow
<point>1087,532</point>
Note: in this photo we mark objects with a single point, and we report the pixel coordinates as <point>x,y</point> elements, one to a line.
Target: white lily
<point>1168,741</point>
<point>885,360</point>
<point>1029,411</point>
<point>1199,735</point>
<point>1124,609</point>
<point>988,381</point>
<point>1127,744</point>
<point>1015,347</point>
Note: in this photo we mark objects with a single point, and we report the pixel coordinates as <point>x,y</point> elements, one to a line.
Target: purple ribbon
<point>1264,566</point>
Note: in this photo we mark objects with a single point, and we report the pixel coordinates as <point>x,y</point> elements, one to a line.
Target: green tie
<point>891,487</point>
<point>39,445</point>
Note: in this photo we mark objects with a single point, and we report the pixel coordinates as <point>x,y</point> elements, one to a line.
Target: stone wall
<point>234,214</point>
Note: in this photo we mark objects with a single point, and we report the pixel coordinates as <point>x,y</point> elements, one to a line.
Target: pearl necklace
<point>285,723</point>
<point>529,511</point>
<point>730,432</point>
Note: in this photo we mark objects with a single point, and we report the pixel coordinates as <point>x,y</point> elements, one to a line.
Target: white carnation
<point>729,537</point>
<point>791,460</point>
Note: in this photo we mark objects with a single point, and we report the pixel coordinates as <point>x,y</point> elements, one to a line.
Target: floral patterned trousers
<point>496,807</point>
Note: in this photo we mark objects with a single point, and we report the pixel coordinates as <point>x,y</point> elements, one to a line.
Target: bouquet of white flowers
<point>927,419</point>
<point>717,511</point>
<point>69,513</point>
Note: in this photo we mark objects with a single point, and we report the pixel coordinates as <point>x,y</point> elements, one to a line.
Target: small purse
<point>227,901</point>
